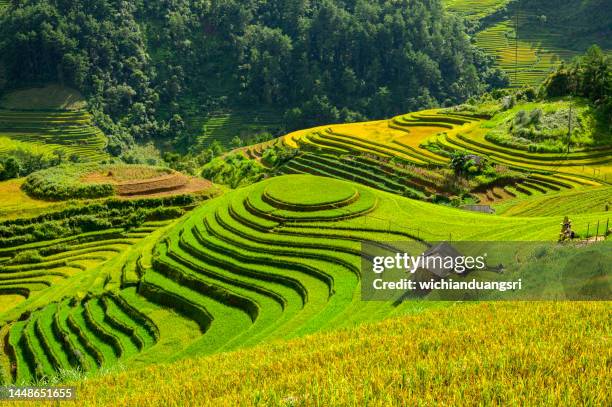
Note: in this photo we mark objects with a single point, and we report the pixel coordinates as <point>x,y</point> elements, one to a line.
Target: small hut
<point>479,208</point>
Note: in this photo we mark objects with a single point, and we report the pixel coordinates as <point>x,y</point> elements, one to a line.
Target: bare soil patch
<point>138,182</point>
<point>122,174</point>
<point>190,185</point>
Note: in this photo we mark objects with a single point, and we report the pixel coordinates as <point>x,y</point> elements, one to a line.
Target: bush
<point>27,257</point>
<point>278,155</point>
<point>62,182</point>
<point>65,181</point>
<point>89,223</point>
<point>135,219</point>
<point>143,154</point>
<point>164,213</point>
<point>18,163</point>
<point>234,170</point>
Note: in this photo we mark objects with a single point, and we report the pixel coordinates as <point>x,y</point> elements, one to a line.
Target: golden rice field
<point>400,136</point>
<point>406,136</point>
<point>475,9</point>
<point>16,203</point>
<point>478,354</point>
<point>409,154</point>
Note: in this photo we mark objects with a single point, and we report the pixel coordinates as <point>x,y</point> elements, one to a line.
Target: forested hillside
<point>149,68</point>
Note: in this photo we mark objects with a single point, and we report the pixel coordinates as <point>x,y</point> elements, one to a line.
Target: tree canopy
<point>142,63</point>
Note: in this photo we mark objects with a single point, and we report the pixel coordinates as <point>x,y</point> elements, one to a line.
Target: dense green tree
<point>18,163</point>
<point>589,76</point>
<point>11,168</point>
<point>141,63</point>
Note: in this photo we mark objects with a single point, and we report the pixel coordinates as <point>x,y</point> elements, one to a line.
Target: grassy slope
<point>495,353</point>
<point>587,200</point>
<point>475,9</point>
<point>42,98</point>
<point>14,203</point>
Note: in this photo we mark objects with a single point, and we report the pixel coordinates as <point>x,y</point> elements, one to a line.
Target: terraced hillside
<point>527,62</point>
<point>400,137</point>
<point>72,133</point>
<point>224,126</point>
<point>409,155</point>
<point>256,151</point>
<point>264,262</point>
<point>66,311</point>
<point>560,203</point>
<point>275,261</point>
<point>548,34</point>
<point>368,171</point>
<point>86,335</point>
<point>475,9</point>
<point>589,166</point>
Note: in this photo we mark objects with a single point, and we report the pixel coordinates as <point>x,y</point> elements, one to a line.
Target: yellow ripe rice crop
<point>16,203</point>
<point>479,354</point>
<point>474,9</point>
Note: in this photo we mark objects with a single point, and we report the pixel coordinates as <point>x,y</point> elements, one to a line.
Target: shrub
<point>143,154</point>
<point>27,257</point>
<point>278,155</point>
<point>65,181</point>
<point>89,223</point>
<point>234,170</point>
<point>19,162</point>
<point>508,102</point>
<point>164,213</point>
<point>62,182</point>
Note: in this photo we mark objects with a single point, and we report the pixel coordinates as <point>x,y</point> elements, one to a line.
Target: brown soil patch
<point>190,185</point>
<point>493,195</point>
<point>153,185</point>
<point>120,175</point>
<point>139,182</point>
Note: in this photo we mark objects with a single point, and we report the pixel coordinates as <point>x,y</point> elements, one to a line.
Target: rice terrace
<point>195,198</point>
